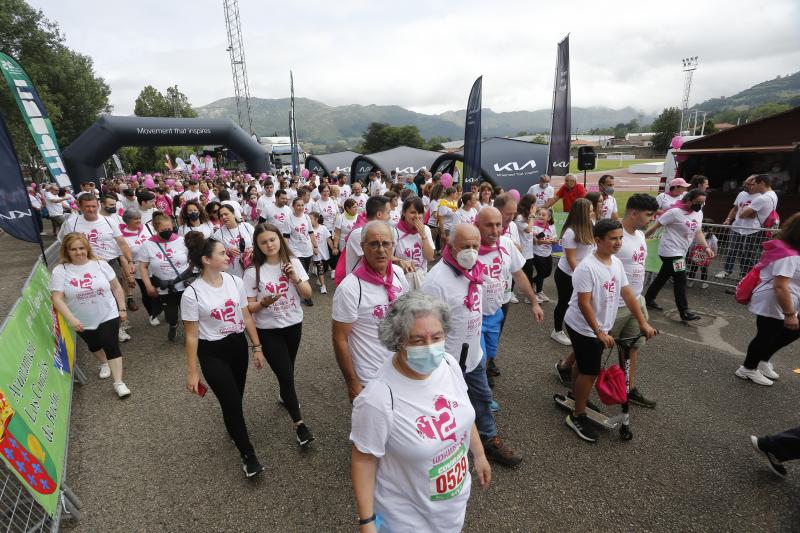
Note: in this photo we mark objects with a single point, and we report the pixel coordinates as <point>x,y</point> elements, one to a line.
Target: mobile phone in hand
<point>201,389</point>
<point>540,235</point>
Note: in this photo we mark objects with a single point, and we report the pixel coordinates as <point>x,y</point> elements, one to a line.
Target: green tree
<point>153,103</point>
<point>539,139</point>
<point>65,80</point>
<point>765,110</point>
<point>436,143</point>
<point>665,127</point>
<point>380,136</point>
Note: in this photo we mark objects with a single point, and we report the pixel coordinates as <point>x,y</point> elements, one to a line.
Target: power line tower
<point>689,66</point>
<point>238,67</point>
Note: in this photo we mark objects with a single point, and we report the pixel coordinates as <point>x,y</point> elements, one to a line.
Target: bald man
<point>502,263</point>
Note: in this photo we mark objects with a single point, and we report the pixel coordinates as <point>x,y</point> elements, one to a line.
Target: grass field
<point>605,164</point>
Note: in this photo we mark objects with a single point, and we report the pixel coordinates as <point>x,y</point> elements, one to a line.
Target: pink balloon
<point>149,183</point>
<point>514,193</point>
<point>447,180</point>
<point>677,142</point>
<point>170,182</point>
<point>305,173</point>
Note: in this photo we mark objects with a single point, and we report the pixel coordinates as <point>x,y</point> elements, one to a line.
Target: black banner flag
<point>558,157</point>
<point>472,136</point>
<point>16,214</point>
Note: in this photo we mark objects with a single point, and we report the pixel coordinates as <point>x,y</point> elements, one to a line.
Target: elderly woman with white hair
<point>412,427</point>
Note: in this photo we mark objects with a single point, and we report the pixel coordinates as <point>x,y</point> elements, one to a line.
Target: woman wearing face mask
<point>683,224</point>
<point>212,210</point>
<point>237,238</point>
<point>274,285</point>
<point>85,290</point>
<point>163,258</point>
<point>194,218</point>
<point>414,241</point>
<point>408,471</point>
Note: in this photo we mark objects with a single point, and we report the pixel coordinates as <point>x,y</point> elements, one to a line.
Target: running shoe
<point>582,427</point>
<point>494,406</point>
<point>304,435</point>
<point>514,299</point>
<point>542,297</point>
<point>154,321</point>
<point>654,306</point>
<point>753,375</point>
<point>323,290</point>
<point>491,368</point>
<point>528,300</point>
<point>132,304</point>
<point>688,316</point>
<point>496,451</point>
<point>250,465</point>
<point>765,367</point>
<point>105,371</point>
<point>561,337</point>
<point>773,462</point>
<point>564,374</point>
<point>634,396</point>
<point>690,284</point>
<point>308,302</point>
<point>722,274</point>
<point>123,336</point>
<point>704,285</point>
<point>122,390</point>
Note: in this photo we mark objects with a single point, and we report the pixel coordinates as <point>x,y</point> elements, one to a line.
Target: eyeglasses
<point>377,245</point>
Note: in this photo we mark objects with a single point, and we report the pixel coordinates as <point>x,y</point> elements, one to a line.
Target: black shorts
<point>104,338</point>
<point>588,352</point>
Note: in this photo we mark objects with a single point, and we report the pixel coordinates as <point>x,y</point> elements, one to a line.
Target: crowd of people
<point>425,276</point>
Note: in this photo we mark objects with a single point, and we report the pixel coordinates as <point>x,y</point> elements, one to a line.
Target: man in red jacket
<point>569,192</point>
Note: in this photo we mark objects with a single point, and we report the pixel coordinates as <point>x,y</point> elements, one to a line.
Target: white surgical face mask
<point>543,184</point>
<point>425,359</point>
<point>467,258</point>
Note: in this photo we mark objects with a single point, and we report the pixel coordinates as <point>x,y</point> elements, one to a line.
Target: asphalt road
<point>160,461</point>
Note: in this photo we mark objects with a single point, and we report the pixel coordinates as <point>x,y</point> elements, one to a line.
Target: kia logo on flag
<point>12,215</point>
<point>513,166</point>
<point>410,170</point>
<point>560,164</point>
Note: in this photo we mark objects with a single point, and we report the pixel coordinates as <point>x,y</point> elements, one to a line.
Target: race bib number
<point>447,478</point>
<point>679,265</point>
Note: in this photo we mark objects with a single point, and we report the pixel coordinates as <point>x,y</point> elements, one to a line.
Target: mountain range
<point>342,126</point>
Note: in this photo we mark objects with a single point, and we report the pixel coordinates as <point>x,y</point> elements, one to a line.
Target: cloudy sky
<point>424,55</point>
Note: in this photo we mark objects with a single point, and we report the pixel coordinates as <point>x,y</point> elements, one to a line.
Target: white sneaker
<point>514,299</point>
<point>333,274</point>
<point>753,375</point>
<point>561,337</point>
<point>105,371</point>
<point>704,285</point>
<point>539,298</point>
<point>123,336</point>
<point>721,275</point>
<point>154,321</point>
<point>122,390</point>
<point>323,290</point>
<point>528,300</point>
<point>690,284</point>
<point>542,297</point>
<point>765,367</point>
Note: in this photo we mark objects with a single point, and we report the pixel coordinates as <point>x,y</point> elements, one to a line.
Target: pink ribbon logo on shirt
<point>226,313</point>
<point>92,237</point>
<point>84,283</point>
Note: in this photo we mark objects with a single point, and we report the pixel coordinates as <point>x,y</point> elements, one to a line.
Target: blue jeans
<point>745,248</point>
<point>480,395</point>
<point>490,334</point>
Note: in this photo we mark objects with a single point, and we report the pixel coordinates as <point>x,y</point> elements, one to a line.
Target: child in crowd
<point>698,259</point>
<point>544,237</point>
<point>324,247</point>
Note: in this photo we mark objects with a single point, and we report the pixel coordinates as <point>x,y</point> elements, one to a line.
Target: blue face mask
<point>425,359</point>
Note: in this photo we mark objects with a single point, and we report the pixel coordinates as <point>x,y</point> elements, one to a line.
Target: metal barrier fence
<point>19,512</point>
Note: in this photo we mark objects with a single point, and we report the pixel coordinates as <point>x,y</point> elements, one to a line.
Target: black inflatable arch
<point>109,133</point>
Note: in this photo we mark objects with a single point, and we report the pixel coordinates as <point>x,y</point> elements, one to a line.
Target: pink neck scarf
<point>366,273</point>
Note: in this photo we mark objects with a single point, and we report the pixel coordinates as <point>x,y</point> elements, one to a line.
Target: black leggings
<point>103,338</point>
<point>564,289</point>
<point>678,285</point>
<point>544,267</point>
<point>306,262</point>
<point>149,303</point>
<point>280,349</point>
<point>771,336</point>
<point>224,366</point>
<point>169,303</point>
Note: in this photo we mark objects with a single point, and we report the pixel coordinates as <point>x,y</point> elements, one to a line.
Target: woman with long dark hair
<point>275,285</point>
<point>237,237</point>
<point>215,317</point>
<point>302,239</point>
<point>193,217</point>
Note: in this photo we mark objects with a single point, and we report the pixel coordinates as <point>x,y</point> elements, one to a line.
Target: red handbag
<point>610,385</point>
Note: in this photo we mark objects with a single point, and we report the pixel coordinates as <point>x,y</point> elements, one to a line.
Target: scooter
<point>623,419</point>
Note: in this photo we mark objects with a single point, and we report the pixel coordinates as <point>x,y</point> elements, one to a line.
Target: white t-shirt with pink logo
<point>230,239</point>
<point>87,291</point>
<point>328,210</point>
<point>217,310</point>
<point>364,305</point>
<point>581,250</point>
<point>449,286</point>
<point>420,432</point>
<point>323,252</point>
<point>279,217</point>
<point>465,217</point>
<point>605,282</point>
<point>344,193</point>
<point>680,228</point>
<point>286,311</point>
<point>744,226</point>
<point>100,233</point>
<point>135,242</point>
<point>409,247</point>
<point>498,265</point>
<point>158,257</point>
<point>361,201</point>
<point>542,195</point>
<point>300,236</point>
<point>633,255</point>
<point>608,208</point>
<point>345,225</point>
<point>764,302</point>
